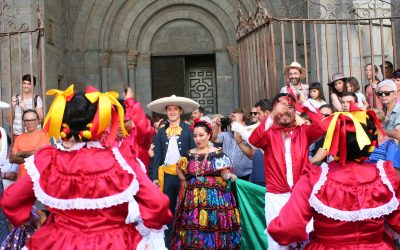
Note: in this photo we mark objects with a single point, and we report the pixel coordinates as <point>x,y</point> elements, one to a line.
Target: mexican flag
<point>251,201</point>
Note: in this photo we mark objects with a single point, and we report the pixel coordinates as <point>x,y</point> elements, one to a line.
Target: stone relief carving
<point>104,58</point>
<point>8,21</point>
<point>233,54</point>
<point>182,36</point>
<point>132,58</point>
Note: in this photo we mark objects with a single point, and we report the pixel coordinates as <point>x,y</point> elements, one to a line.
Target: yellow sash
<point>165,169</point>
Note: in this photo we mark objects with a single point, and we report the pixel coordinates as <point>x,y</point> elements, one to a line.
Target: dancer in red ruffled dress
<point>98,199</point>
<point>351,201</point>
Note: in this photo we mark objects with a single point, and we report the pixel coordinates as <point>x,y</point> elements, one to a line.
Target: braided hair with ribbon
<point>351,136</point>
<point>85,116</point>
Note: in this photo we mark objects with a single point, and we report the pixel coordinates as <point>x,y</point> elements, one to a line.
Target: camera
<point>226,124</point>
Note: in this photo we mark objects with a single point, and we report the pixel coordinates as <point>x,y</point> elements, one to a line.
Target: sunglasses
<point>326,115</point>
<point>253,113</point>
<point>30,120</point>
<point>384,93</point>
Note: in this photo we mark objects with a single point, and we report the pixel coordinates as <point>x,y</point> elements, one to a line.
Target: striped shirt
<point>17,123</point>
<point>242,165</point>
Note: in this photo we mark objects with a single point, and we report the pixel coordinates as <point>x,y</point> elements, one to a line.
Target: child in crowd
<point>353,86</point>
<point>316,95</point>
<point>306,119</point>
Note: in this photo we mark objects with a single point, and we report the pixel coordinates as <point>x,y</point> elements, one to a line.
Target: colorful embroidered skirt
<point>207,216</point>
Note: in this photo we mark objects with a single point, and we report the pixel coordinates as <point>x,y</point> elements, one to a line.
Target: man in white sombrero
<point>171,142</point>
<point>294,73</point>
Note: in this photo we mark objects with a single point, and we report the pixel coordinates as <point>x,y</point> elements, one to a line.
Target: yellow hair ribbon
<point>362,137</point>
<point>56,111</point>
<point>330,131</point>
<point>106,100</point>
<point>357,117</point>
<point>360,116</point>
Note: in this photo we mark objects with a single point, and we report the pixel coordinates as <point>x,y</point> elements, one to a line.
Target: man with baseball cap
<point>294,73</point>
<point>172,142</point>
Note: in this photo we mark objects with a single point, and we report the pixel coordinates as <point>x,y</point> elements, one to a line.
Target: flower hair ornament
<point>197,120</point>
<point>53,121</point>
<point>106,114</point>
<point>339,124</point>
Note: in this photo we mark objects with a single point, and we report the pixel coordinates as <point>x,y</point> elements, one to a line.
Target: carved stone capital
<point>104,58</point>
<point>233,54</point>
<point>132,58</point>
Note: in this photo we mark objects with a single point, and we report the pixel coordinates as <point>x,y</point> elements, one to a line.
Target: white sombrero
<point>160,105</point>
<point>294,65</point>
<point>4,105</point>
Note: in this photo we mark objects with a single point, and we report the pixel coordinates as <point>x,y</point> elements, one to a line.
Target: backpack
<point>35,100</point>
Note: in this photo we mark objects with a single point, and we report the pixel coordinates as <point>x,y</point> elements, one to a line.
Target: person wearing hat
<point>294,74</point>
<point>387,73</point>
<point>337,88</point>
<point>286,147</point>
<point>354,203</point>
<point>172,142</point>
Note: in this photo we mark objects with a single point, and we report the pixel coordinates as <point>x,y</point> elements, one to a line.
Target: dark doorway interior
<point>168,76</point>
<point>190,76</point>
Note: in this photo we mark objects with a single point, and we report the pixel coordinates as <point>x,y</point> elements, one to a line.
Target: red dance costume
<point>94,195</point>
<point>269,138</point>
<point>141,135</point>
<point>349,203</point>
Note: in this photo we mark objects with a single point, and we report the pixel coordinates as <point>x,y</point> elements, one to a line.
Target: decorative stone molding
<point>314,9</point>
<point>104,58</point>
<point>132,58</point>
<point>233,54</point>
<point>182,36</point>
<point>254,21</point>
<point>8,20</point>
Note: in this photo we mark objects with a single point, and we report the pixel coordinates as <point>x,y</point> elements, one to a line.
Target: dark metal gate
<point>325,39</point>
<point>21,52</point>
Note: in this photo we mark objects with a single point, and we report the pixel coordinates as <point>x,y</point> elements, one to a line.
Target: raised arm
<point>258,137</point>
<point>143,131</point>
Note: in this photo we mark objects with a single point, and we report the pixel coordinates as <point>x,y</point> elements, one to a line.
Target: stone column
<point>143,79</point>
<point>234,60</point>
<point>225,86</point>
<point>132,58</point>
<point>104,62</point>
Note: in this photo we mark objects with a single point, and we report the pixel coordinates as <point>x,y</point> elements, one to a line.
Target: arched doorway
<point>183,63</point>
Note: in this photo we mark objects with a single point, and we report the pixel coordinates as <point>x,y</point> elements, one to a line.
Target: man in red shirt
<point>285,147</point>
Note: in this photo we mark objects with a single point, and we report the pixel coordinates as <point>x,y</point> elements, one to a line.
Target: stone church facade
<point>157,47</point>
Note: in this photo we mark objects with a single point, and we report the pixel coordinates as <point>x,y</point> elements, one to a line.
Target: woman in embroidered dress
<point>206,216</point>
<point>93,192</point>
<point>350,200</point>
